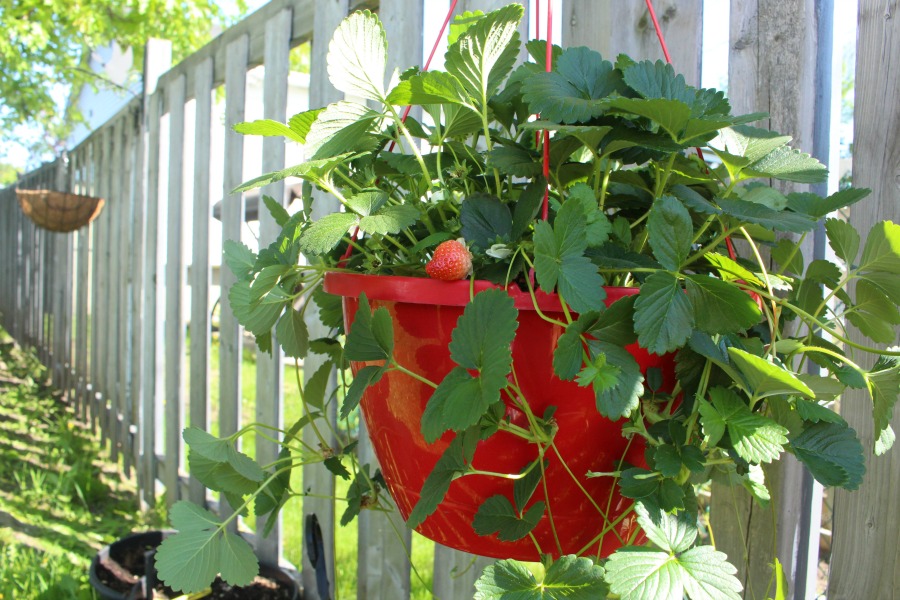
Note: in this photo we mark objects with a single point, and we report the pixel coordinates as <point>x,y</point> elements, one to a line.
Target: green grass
<point>59,500</point>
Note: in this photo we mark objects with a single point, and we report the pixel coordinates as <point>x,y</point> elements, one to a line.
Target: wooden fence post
<point>865,559</point>
<point>773,68</point>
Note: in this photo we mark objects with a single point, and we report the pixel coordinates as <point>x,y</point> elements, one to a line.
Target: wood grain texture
<point>230,331</point>
<point>772,68</point>
<point>612,27</point>
<point>316,478</point>
<point>201,279</point>
<point>865,560</point>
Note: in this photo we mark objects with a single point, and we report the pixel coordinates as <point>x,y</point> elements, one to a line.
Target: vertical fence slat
<point>95,323</point>
<point>316,478</point>
<point>455,572</point>
<point>200,273</point>
<point>126,297</point>
<point>138,320</point>
<point>82,269</point>
<point>174,257</point>
<point>865,560</point>
<point>103,274</point>
<point>270,367</point>
<point>158,57</point>
<point>230,331</point>
<point>113,316</point>
<point>612,28</point>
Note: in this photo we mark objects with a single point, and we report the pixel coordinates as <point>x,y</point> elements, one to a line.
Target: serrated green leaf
<point>316,385</point>
<point>486,52</point>
<point>206,444</point>
<point>657,79</point>
<point>189,560</point>
<point>515,161</point>
<point>766,196</point>
<point>832,453</point>
<point>814,412</point>
<point>873,313</point>
<point>671,115</point>
<point>302,121</point>
<point>567,578</point>
<point>484,219</point>
<point>240,259</point>
<point>431,87</point>
<point>357,56</point>
<point>720,307</point>
<point>481,342</point>
<point>292,334</point>
<point>843,238</point>
<point>311,170</point>
<point>257,318</point>
<point>323,235</point>
<point>882,249</point>
<point>663,316</point>
<point>765,378</point>
<point>575,90</point>
<point>278,212</point>
<point>366,376</point>
<point>615,325</point>
<point>788,164</point>
<point>342,126</point>
<point>390,219</point>
<point>621,399</point>
<point>670,232</point>
<point>453,462</point>
<point>667,460</point>
<point>637,483</point>
<point>709,575</point>
<point>788,256</point>
<point>371,336</point>
<point>766,217</point>
<point>268,127</point>
<point>497,515</point>
<point>524,487</point>
<point>569,354</point>
<point>755,438</point>
<point>884,385</point>
<point>367,202</point>
<point>749,143</point>
<point>671,532</point>
<point>818,207</point>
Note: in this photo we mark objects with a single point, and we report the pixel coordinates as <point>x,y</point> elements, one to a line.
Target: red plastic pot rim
<point>421,290</point>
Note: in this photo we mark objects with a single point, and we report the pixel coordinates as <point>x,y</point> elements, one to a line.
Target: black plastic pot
<point>135,553</point>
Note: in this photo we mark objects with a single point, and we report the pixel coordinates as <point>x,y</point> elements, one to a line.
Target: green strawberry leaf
<point>663,316</point>
<point>620,398</point>
<point>832,453</point>
<point>720,307</point>
<point>765,378</point>
<point>874,314</point>
<point>575,91</point>
<point>882,249</point>
<point>497,515</point>
<point>671,532</point>
<point>268,127</point>
<point>484,219</point>
<point>357,56</point>
<point>670,232</point>
<point>524,487</point>
<point>453,462</point>
<point>568,578</point>
<point>843,238</point>
<point>644,574</point>
<point>657,79</point>
<point>240,259</point>
<point>368,375</point>
<point>257,318</point>
<point>486,52</point>
<point>788,164</point>
<point>390,219</point>
<point>292,334</point>
<point>755,438</point>
<point>480,342</point>
<point>326,233</point>
<point>371,336</point>
<point>777,220</point>
<point>884,385</point>
<point>431,87</point>
<point>814,412</point>
<point>189,560</point>
<point>569,354</point>
<point>615,325</point>
<point>818,207</point>
<point>279,213</point>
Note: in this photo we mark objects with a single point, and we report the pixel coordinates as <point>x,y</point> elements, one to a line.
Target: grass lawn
<point>60,500</point>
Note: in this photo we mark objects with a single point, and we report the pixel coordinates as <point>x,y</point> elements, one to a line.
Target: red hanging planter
<point>424,313</point>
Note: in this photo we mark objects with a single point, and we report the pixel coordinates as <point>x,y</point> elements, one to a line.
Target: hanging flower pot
<point>424,313</point>
<point>59,211</point>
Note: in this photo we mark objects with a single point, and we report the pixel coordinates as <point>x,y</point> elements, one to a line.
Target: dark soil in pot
<point>118,572</point>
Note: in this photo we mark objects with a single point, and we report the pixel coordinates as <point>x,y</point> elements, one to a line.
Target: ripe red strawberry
<point>451,261</point>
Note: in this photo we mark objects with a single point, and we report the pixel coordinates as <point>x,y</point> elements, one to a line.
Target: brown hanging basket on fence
<point>59,211</point>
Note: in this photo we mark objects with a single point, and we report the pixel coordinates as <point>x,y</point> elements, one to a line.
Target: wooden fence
<point>106,306</point>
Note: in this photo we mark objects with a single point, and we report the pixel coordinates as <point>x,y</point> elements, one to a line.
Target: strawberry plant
<point>709,363</point>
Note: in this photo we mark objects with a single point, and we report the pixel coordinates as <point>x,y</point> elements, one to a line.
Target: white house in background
<point>98,106</point>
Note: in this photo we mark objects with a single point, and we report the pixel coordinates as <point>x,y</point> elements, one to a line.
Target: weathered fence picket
<point>106,307</point>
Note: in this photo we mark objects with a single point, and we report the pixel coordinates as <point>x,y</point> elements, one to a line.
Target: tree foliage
<point>46,50</point>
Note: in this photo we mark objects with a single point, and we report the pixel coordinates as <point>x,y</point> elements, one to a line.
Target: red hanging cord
<point>545,213</point>
<point>406,111</point>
